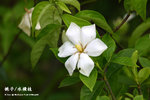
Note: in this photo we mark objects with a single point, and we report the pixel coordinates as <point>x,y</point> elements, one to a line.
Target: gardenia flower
<point>26,22</point>
<point>83,43</point>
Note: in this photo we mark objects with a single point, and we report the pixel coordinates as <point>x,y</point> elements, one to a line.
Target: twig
<point>10,48</point>
<point>139,89</point>
<point>109,88</point>
<point>123,21</point>
<point>119,26</point>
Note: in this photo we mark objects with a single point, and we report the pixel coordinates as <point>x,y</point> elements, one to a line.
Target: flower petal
<point>66,49</point>
<point>88,33</point>
<point>25,24</point>
<point>95,48</point>
<point>85,64</point>
<point>71,63</point>
<point>73,33</point>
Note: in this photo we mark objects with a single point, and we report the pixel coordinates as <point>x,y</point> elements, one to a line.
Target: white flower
<point>26,22</point>
<point>83,43</point>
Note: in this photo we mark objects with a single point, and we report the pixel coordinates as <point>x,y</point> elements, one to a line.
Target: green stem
<point>109,87</point>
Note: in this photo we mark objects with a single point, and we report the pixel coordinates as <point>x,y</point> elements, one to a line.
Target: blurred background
<point>17,71</point>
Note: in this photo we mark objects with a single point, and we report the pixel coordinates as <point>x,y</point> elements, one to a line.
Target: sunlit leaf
<point>63,7</point>
<point>74,3</point>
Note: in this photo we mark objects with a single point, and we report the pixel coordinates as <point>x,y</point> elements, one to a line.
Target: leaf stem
<point>109,88</point>
<point>10,48</point>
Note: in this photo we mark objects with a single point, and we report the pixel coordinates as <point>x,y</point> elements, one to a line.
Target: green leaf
<point>141,29</point>
<point>86,94</point>
<point>143,74</point>
<point>63,7</point>
<point>127,99</point>
<point>46,35</point>
<point>91,80</point>
<point>51,16</point>
<point>138,97</point>
<point>102,98</point>
<point>69,81</point>
<point>144,62</point>
<point>136,5</point>
<point>37,51</point>
<point>96,17</point>
<point>55,52</point>
<point>123,61</point>
<point>134,57</point>
<point>47,30</point>
<point>69,18</point>
<point>38,11</point>
<point>129,95</point>
<point>143,45</point>
<point>124,57</point>
<point>111,46</point>
<point>74,3</point>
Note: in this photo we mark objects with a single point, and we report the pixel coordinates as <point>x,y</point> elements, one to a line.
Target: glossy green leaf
<point>37,51</point>
<point>69,18</point>
<point>74,3</point>
<point>129,95</point>
<point>47,30</point>
<point>138,97</point>
<point>111,46</point>
<point>51,16</point>
<point>69,81</point>
<point>63,7</point>
<point>45,37</point>
<point>86,94</point>
<point>123,61</point>
<point>134,57</point>
<point>89,81</point>
<point>138,32</point>
<point>144,62</point>
<point>103,98</point>
<point>143,45</point>
<point>143,74</point>
<point>38,11</point>
<point>96,17</point>
<point>136,5</point>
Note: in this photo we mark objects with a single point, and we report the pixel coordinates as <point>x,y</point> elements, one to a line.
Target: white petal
<point>95,48</point>
<point>25,24</point>
<point>88,33</point>
<point>85,64</point>
<point>71,63</point>
<point>66,49</point>
<point>38,27</point>
<point>73,33</point>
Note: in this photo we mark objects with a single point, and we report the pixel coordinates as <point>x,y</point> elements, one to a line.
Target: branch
<point>123,21</point>
<point>119,26</point>
<point>10,48</point>
<point>109,88</point>
<point>139,89</point>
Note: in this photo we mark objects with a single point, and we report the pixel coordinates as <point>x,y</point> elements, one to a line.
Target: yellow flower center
<point>79,48</point>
